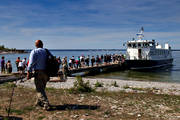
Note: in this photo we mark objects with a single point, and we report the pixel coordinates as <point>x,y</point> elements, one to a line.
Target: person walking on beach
<point>38,62</point>
<point>2,65</point>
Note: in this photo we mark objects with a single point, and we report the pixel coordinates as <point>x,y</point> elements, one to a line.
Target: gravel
<point>128,86</point>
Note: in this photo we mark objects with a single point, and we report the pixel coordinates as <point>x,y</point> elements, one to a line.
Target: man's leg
<point>41,79</point>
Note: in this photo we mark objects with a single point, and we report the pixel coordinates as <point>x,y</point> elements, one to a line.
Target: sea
<point>170,74</point>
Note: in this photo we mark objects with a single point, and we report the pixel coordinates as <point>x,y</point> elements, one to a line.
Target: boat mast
<point>140,34</point>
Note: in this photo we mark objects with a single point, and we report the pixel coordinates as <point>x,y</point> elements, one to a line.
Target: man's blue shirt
<point>37,59</point>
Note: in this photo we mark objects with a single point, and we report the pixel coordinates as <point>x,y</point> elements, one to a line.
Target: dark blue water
<point>171,74</point>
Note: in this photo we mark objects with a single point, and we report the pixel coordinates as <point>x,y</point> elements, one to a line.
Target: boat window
<point>146,44</point>
<point>129,45</point>
<point>150,44</point>
<point>139,44</point>
<point>143,44</point>
<point>134,45</point>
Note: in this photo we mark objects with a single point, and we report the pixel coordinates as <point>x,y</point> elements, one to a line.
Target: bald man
<point>37,63</point>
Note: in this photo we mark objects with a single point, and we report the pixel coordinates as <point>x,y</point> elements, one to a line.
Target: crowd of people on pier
<point>88,61</point>
<point>65,63</point>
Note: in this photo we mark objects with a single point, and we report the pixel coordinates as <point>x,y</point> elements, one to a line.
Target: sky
<point>87,24</point>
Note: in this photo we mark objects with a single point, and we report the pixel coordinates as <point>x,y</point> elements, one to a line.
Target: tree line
<point>3,48</point>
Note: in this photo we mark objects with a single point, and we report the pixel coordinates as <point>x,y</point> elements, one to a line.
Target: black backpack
<point>52,64</point>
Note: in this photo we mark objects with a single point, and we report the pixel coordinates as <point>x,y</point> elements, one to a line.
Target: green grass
<point>51,89</point>
<point>41,117</point>
<point>80,86</point>
<point>16,111</point>
<point>107,112</point>
<point>98,84</point>
<point>126,87</point>
<point>28,108</point>
<point>8,85</point>
<point>138,89</point>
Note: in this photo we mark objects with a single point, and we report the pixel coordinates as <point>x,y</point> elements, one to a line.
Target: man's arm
<point>31,64</point>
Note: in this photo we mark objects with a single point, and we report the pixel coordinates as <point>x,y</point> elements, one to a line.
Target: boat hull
<point>148,64</point>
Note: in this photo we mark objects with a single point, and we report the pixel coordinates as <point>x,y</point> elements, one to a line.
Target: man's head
<point>39,44</point>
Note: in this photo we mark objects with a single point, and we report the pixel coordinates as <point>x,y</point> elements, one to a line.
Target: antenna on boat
<point>140,34</point>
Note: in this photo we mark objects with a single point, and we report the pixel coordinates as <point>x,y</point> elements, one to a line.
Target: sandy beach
<point>122,85</point>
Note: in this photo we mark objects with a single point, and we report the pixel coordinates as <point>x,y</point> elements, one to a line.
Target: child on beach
<point>9,66</point>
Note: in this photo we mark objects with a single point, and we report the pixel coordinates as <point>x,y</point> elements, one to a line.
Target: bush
<point>80,86</point>
<point>98,84</point>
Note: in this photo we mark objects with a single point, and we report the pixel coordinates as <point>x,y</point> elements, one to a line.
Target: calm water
<point>166,75</point>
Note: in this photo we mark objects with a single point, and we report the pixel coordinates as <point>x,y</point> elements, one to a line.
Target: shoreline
<point>123,85</point>
<point>12,52</point>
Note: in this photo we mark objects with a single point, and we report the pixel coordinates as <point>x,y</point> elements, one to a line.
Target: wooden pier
<point>104,68</point>
<point>83,71</point>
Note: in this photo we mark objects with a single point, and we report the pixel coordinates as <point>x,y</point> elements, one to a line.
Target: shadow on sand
<point>73,107</point>
<point>59,107</point>
<point>10,118</point>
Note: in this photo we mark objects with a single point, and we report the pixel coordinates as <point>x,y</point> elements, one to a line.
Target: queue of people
<point>65,64</point>
<point>83,61</point>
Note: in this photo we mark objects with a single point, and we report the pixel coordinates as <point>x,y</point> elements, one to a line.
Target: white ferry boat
<point>147,54</point>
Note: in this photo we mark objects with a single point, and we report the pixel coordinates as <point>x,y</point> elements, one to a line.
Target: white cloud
<point>91,24</point>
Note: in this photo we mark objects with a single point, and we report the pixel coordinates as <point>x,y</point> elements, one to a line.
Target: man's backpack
<point>52,64</point>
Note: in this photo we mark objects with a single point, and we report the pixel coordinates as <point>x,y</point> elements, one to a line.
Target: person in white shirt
<point>70,63</point>
<point>24,64</point>
<point>20,66</point>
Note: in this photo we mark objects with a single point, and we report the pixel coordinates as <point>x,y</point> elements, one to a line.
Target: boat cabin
<point>146,49</point>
